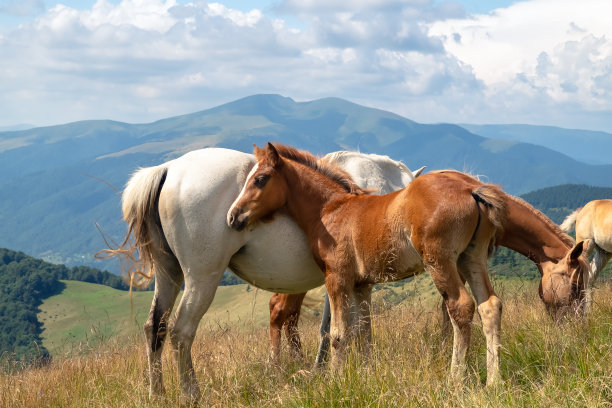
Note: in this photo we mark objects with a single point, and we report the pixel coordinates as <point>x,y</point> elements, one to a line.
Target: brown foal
<point>446,223</point>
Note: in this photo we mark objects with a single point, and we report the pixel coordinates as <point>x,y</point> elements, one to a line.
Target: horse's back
<point>444,203</point>
<point>199,188</point>
<point>371,171</point>
<point>595,221</point>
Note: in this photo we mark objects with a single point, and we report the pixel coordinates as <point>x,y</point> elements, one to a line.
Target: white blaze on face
<point>253,170</point>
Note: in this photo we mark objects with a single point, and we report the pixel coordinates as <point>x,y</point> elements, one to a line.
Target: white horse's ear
<point>418,172</point>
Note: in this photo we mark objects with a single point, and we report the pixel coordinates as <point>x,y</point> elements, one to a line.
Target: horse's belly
<point>407,263</point>
<point>398,262</point>
<point>603,240</point>
<point>277,258</point>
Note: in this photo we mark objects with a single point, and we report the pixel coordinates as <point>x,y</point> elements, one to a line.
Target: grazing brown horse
<point>444,222</point>
<point>593,222</point>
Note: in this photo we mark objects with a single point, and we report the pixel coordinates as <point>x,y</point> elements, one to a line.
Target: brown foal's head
<point>563,285</point>
<point>264,191</point>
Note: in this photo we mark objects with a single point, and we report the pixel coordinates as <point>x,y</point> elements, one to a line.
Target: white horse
<point>176,216</point>
<point>593,222</point>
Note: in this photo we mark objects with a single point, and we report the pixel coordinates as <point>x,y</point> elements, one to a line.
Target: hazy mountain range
<point>55,180</point>
<point>583,145</point>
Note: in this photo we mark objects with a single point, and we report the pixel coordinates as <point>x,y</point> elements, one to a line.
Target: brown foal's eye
<point>260,181</point>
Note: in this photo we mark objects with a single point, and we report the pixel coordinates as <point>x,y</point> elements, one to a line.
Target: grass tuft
<point>543,364</point>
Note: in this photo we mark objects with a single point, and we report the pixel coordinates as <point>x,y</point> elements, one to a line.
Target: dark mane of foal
<point>569,241</point>
<point>333,173</point>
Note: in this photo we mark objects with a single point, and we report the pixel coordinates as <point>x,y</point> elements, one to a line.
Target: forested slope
<point>24,283</point>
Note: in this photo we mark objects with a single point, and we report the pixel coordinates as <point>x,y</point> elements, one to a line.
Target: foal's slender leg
<point>447,327</point>
<point>460,307</point>
<point>167,286</point>
<point>473,267</point>
<point>342,300</point>
<point>363,298</point>
<point>196,299</point>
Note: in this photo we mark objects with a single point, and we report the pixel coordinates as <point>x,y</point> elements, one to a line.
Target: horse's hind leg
<point>447,327</point>
<point>460,307</point>
<point>473,266</point>
<point>168,282</point>
<point>197,297</point>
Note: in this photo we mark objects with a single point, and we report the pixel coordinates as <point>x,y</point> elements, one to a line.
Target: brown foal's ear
<point>272,155</point>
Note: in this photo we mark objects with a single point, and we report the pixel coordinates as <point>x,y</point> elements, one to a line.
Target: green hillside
<point>24,283</point>
<point>85,314</point>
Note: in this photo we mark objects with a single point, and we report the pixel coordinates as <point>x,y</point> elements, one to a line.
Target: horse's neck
<point>309,192</point>
<point>529,234</point>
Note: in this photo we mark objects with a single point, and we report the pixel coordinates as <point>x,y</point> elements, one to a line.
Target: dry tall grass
<point>543,364</point>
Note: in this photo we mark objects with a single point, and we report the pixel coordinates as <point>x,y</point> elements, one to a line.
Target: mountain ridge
<point>55,189</point>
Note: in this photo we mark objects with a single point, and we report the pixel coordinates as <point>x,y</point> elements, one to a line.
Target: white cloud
<point>319,6</point>
<point>548,56</point>
<point>22,7</point>
<point>508,41</point>
<point>141,60</point>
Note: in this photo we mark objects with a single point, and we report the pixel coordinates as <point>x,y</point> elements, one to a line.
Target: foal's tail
<point>139,205</point>
<point>494,199</point>
<point>570,221</point>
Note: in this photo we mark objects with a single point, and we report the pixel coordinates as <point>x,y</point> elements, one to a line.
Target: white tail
<point>570,221</point>
<point>139,206</point>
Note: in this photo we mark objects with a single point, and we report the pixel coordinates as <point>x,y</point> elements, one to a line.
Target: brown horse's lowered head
<point>562,288</point>
<point>263,193</point>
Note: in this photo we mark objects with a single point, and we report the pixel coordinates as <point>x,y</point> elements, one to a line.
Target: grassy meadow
<point>542,363</point>
<point>86,315</point>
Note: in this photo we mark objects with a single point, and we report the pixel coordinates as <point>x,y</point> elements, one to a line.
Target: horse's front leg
<point>342,300</point>
<point>363,298</point>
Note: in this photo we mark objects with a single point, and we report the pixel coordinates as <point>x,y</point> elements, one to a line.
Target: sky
<point>542,62</point>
